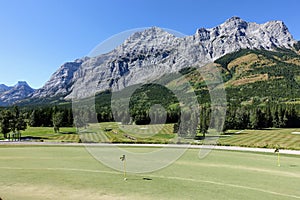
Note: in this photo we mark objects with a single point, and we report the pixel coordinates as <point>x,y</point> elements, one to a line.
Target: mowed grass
<point>52,172</point>
<point>66,134</point>
<point>113,132</point>
<point>266,138</point>
<point>109,132</point>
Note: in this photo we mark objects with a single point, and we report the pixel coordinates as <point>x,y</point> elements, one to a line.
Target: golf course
<point>112,132</point>
<point>31,172</point>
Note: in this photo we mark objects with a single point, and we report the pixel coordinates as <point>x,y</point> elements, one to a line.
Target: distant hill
<point>272,75</point>
<point>257,75</point>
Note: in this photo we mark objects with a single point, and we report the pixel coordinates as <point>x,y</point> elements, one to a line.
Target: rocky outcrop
<point>60,83</point>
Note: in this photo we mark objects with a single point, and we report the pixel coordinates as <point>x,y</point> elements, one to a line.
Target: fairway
<point>66,134</point>
<point>112,132</point>
<point>265,138</point>
<point>52,172</point>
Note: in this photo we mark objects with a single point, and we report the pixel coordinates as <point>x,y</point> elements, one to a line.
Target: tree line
<point>14,120</point>
<point>188,122</point>
<point>50,117</point>
<point>259,117</point>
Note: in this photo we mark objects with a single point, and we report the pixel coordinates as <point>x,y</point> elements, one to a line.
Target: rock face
<point>237,34</point>
<point>149,54</point>
<point>18,92</point>
<point>61,81</point>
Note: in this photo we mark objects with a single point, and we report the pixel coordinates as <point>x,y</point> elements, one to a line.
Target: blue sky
<point>37,36</point>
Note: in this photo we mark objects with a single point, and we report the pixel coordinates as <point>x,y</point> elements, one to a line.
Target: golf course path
<point>209,147</point>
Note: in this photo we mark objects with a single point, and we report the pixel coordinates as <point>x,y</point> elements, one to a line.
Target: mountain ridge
<point>147,55</point>
<point>13,94</point>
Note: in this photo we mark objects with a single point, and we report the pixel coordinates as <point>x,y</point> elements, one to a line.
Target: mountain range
<point>10,95</point>
<point>149,54</point>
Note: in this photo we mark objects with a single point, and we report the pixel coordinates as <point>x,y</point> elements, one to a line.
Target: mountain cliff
<point>149,54</point>
<point>61,81</point>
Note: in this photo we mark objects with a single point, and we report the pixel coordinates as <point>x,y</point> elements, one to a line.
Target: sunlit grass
<point>51,172</point>
<point>266,138</point>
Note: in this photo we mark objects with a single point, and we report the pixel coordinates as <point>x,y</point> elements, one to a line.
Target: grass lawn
<point>117,133</point>
<point>52,172</point>
<point>66,134</point>
<point>113,132</point>
<point>266,138</point>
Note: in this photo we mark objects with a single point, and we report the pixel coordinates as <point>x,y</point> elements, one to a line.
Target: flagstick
<point>278,156</point>
<point>124,166</point>
<point>278,159</point>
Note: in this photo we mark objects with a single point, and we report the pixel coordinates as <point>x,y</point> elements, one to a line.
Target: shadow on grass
<point>32,138</point>
<point>227,134</point>
<point>211,136</point>
<point>68,133</point>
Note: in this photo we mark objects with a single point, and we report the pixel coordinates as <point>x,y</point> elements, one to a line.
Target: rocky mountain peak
<point>146,55</point>
<point>61,81</point>
<point>147,40</point>
<point>149,34</point>
<point>21,84</point>
<point>278,27</point>
<point>18,92</point>
<point>235,23</point>
<point>234,20</point>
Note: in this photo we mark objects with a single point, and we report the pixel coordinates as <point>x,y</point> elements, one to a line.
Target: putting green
<point>71,173</point>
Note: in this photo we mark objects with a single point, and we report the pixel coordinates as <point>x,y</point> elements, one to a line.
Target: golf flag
<point>122,158</point>
<point>278,156</point>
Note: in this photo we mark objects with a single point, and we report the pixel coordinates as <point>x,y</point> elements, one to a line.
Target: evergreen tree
<point>275,118</point>
<point>204,119</point>
<point>57,119</point>
<point>268,116</point>
<point>256,119</point>
<point>5,118</point>
<point>241,119</point>
<point>17,123</point>
<point>33,119</point>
